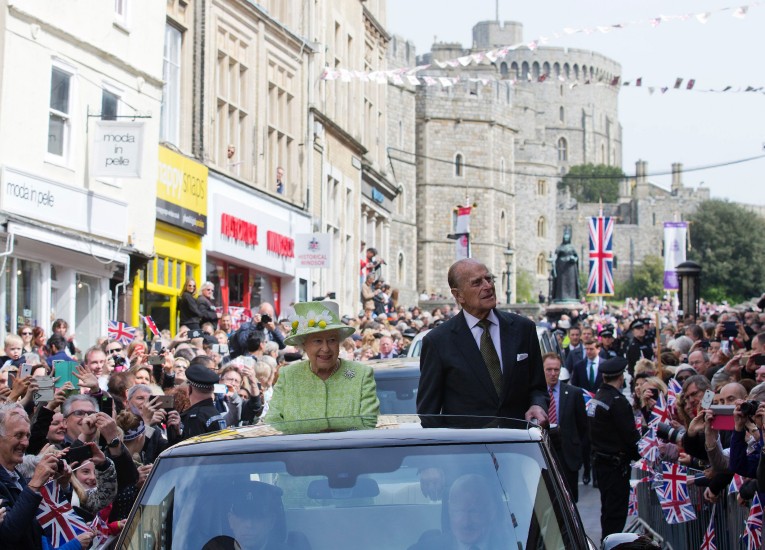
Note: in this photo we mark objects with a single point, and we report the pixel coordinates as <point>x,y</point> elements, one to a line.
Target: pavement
<point>589,510</point>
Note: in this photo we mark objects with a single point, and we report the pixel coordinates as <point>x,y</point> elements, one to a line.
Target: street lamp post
<point>509,264</point>
<point>550,278</point>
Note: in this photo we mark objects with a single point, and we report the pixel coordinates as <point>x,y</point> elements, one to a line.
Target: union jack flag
<point>632,509</point>
<point>673,494</point>
<point>648,446</point>
<point>121,332</point>
<point>587,395</point>
<point>660,412</point>
<point>710,540</point>
<point>735,484</point>
<point>102,538</point>
<point>151,325</point>
<point>601,279</point>
<point>752,536</point>
<point>674,388</point>
<point>59,521</point>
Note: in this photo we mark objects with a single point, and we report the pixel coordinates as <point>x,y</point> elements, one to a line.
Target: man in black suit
<point>575,349</point>
<point>482,361</point>
<point>585,374</point>
<point>568,423</point>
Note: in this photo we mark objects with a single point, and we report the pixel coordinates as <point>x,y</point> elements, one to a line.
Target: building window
<point>121,12</point>
<point>535,70</point>
<point>170,121</point>
<point>562,114</point>
<point>59,121</point>
<point>525,70</point>
<point>541,265</point>
<point>283,122</point>
<point>503,70</point>
<point>502,171</point>
<point>541,187</point>
<point>401,268</point>
<point>562,150</point>
<point>458,165</point>
<point>542,227</point>
<point>503,226</point>
<point>109,105</point>
<point>233,102</point>
<point>514,69</point>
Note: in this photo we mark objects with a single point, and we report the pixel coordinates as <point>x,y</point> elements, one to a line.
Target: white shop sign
<point>57,204</point>
<point>117,149</point>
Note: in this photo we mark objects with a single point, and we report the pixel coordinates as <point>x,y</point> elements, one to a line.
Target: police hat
<point>637,323</point>
<point>606,333</point>
<point>255,499</point>
<point>201,377</point>
<point>611,366</point>
<point>409,333</point>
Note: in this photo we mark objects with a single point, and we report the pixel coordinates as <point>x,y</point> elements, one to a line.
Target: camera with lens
<point>749,408</point>
<point>264,320</point>
<point>668,433</point>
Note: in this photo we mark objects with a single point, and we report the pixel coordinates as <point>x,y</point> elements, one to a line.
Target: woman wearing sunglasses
<point>26,337</point>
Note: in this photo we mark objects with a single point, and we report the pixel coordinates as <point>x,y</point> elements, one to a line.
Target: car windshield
<point>482,495</point>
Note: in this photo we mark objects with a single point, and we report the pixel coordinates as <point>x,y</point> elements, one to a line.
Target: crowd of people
<point>126,400</point>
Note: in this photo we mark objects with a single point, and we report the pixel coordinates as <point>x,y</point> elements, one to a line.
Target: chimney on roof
<point>677,177</point>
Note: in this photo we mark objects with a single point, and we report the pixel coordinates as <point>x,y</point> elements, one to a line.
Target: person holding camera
<point>614,444</point>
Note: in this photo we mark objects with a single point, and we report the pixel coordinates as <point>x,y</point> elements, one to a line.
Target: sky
<point>694,128</point>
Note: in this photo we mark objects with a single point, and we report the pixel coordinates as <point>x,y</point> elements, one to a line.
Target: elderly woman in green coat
<point>323,386</point>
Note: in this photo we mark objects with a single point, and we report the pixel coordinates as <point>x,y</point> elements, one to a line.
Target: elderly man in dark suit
<point>482,361</point>
<point>568,423</point>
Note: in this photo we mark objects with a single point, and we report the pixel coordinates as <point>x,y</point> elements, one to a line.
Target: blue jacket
<point>741,463</point>
<point>20,529</point>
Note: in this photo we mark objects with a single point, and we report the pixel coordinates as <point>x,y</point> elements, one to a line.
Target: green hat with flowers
<point>314,317</point>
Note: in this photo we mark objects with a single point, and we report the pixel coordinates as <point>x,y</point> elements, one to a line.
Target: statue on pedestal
<point>565,271</point>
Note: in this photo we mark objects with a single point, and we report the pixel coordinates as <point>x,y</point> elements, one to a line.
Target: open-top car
<point>387,483</point>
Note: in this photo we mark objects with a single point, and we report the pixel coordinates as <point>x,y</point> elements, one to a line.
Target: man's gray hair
<point>271,347</point>
<point>9,410</point>
<point>66,407</point>
<point>681,345</point>
<point>136,388</point>
<point>758,392</point>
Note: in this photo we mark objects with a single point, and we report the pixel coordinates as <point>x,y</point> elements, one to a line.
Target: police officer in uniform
<point>607,347</point>
<point>201,417</point>
<point>640,347</point>
<point>614,444</point>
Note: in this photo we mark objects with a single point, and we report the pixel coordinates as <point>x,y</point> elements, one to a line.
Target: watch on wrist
<point>114,443</point>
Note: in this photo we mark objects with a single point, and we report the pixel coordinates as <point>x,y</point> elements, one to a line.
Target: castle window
<point>562,149</point>
<point>556,70</point>
<point>562,114</point>
<point>458,165</point>
<point>503,70</point>
<point>566,71</point>
<point>542,227</point>
<point>401,267</point>
<point>535,71</point>
<point>541,187</point>
<point>502,171</point>
<point>541,265</point>
<point>514,69</point>
<point>576,72</point>
<point>525,70</point>
<point>546,68</point>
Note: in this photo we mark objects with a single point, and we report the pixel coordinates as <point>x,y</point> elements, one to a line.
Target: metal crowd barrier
<point>729,519</point>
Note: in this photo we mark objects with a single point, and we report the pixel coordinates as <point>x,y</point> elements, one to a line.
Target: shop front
<point>181,224</point>
<point>250,250</point>
<point>61,246</point>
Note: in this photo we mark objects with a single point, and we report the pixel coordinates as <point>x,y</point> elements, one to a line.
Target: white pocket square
<point>521,356</point>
